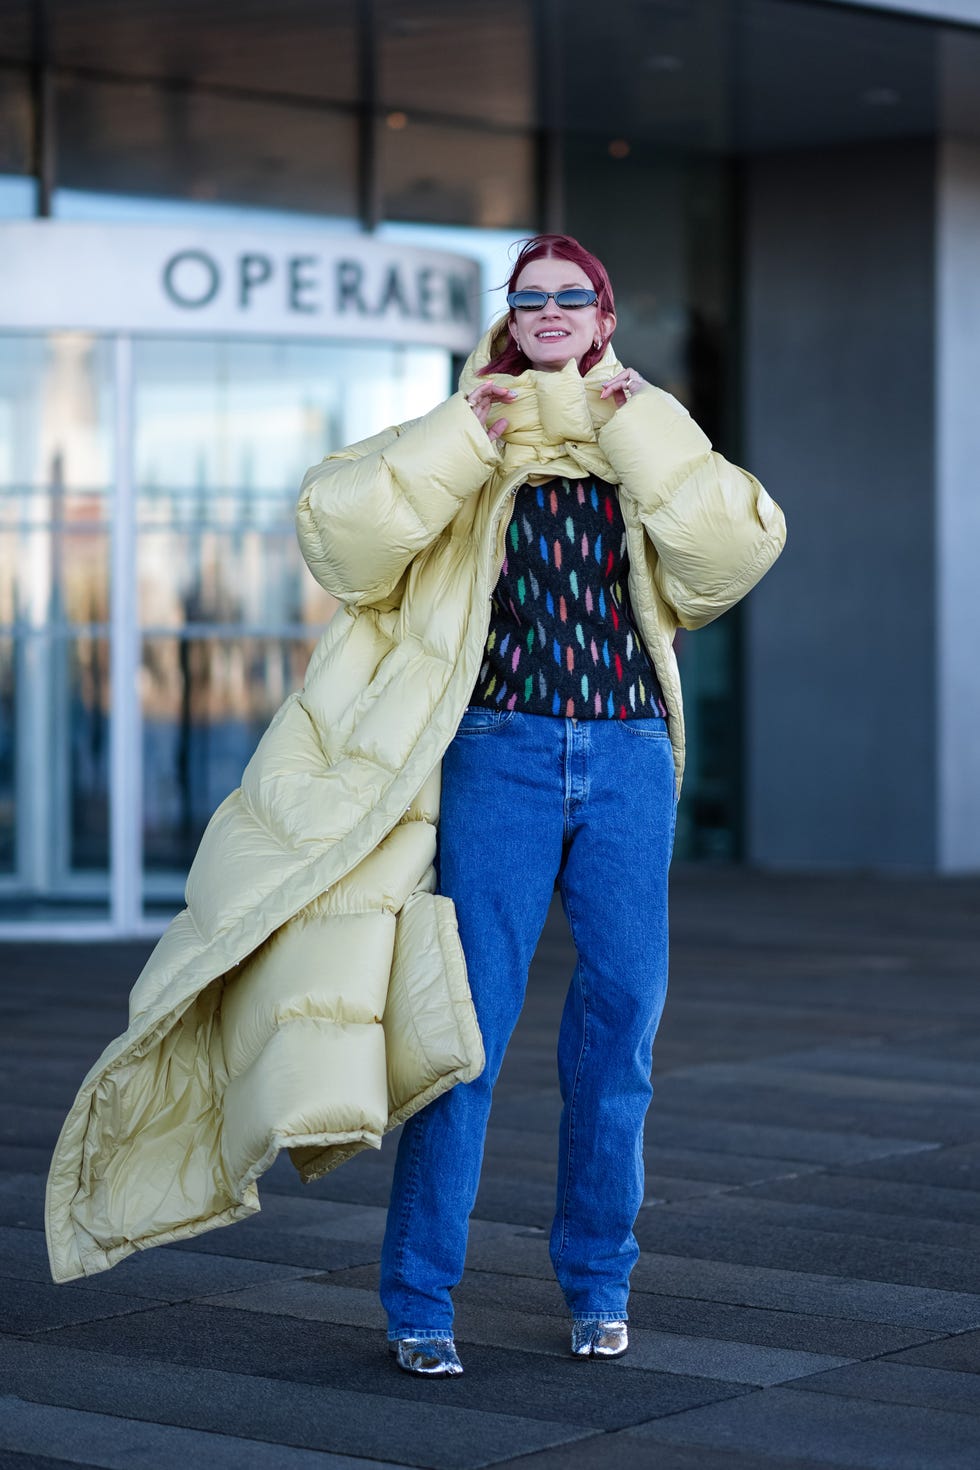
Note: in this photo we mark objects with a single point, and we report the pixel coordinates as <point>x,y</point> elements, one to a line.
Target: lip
<point>552,332</point>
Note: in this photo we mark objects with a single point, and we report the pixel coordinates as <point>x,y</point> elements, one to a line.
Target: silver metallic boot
<point>427,1357</point>
<point>599,1339</point>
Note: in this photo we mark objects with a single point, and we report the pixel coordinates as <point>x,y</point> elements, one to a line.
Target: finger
<point>496,429</point>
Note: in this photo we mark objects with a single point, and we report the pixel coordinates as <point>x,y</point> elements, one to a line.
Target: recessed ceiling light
<point>881,97</point>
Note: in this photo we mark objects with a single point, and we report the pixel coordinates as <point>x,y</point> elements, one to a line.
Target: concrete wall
<point>958,505</point>
<point>839,371</point>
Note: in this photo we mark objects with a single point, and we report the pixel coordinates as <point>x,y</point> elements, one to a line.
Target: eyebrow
<point>535,286</point>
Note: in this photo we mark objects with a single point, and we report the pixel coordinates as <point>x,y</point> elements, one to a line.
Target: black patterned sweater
<point>562,639</point>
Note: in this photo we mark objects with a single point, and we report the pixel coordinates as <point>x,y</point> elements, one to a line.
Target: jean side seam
<point>409,1197</point>
<point>573,1098</point>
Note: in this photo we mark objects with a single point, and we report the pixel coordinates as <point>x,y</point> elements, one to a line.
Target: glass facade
<point>154,609</point>
<point>218,436</point>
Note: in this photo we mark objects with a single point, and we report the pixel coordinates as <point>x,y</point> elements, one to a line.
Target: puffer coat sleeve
<point>365,512</point>
<point>715,530</point>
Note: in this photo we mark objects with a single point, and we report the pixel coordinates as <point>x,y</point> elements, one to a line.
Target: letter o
<point>213,276</point>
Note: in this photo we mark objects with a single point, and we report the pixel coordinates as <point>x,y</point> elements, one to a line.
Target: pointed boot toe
<point>427,1357</point>
<point>599,1339</point>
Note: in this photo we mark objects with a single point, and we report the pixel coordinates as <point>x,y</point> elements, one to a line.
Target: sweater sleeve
<point>365,512</point>
<point>714,528</point>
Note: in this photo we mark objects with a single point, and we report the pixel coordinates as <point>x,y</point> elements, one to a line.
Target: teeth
<point>542,336</point>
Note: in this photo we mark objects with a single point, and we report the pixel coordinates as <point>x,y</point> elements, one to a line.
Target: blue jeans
<point>527,799</point>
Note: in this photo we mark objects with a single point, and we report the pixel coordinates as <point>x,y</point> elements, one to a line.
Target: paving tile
<point>163,1274</point>
<point>896,1061</point>
<point>960,1353</point>
<point>269,1346</point>
<point>311,1299</point>
<point>256,1411</point>
<point>763,1138</point>
<point>750,1239</point>
<point>326,1219</point>
<point>900,1382</point>
<point>798,1291</point>
<point>860,1192</point>
<point>739,1208</point>
<point>11,1460</point>
<point>952,1168</point>
<point>841,1431</point>
<point>728,1169</point>
<point>22,1199</point>
<point>251,1240</point>
<point>603,1451</point>
<point>18,1158</point>
<point>927,1122</point>
<point>46,1080</point>
<point>794,1075</point>
<point>34,1306</point>
<point>37,1127</point>
<point>125,1444</point>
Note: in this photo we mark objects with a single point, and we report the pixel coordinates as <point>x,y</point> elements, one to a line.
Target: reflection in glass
<point>135,137</point>
<point>88,756</point>
<point>56,408</point>
<point>225,432</point>
<point>206,702</point>
<point>428,174</point>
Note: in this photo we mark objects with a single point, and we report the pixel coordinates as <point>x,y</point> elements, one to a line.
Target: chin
<point>556,363</point>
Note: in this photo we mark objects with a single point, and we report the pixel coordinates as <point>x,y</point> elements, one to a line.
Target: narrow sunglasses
<point>567,297</point>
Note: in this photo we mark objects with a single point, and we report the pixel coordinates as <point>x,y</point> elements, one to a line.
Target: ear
<point>512,329</point>
<point>607,325</point>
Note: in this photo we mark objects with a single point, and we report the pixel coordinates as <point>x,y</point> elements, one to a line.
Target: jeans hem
<point>421,1334</point>
<point>613,1315</point>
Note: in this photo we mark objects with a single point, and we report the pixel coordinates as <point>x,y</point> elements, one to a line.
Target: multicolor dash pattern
<point>562,639</point>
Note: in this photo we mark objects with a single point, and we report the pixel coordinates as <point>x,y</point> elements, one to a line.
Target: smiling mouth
<point>550,336</point>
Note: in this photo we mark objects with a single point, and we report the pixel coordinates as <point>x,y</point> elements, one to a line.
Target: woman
<point>512,567</point>
<point>604,521</point>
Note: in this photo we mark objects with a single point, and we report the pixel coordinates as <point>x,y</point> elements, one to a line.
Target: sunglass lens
<point>527,300</point>
<point>575,296</point>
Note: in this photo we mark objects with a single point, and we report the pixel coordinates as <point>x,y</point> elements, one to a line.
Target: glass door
<point>154,607</point>
<point>57,470</point>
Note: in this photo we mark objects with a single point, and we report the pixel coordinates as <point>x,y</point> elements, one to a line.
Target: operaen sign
<point>134,278</point>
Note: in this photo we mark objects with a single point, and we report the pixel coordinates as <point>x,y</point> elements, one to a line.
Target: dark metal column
<point>42,111</point>
<point>549,184</point>
<point>369,199</point>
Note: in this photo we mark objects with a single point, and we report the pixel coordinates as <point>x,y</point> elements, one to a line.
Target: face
<point>551,337</point>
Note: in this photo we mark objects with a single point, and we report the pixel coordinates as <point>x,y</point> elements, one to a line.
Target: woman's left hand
<point>623,386</point>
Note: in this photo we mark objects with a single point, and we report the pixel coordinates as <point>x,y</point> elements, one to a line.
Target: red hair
<point>511,359</point>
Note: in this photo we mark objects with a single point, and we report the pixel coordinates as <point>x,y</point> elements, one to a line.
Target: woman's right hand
<point>483,399</point>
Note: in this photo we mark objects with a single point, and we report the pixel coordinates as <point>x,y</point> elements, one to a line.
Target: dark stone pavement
<point>808,1294</point>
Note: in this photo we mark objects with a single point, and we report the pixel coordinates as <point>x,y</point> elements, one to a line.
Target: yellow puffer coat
<point>313,992</point>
